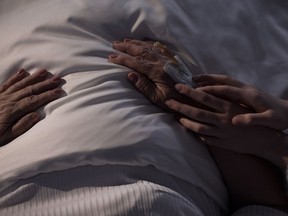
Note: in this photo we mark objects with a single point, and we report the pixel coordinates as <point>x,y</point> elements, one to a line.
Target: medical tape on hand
<point>180,73</point>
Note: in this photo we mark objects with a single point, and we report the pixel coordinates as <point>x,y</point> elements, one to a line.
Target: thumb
<point>142,83</point>
<point>251,119</point>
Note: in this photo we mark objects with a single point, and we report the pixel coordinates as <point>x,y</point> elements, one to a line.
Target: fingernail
<point>117,42</point>
<point>133,78</point>
<point>56,79</point>
<point>237,121</point>
<point>21,72</point>
<point>178,87</point>
<point>42,72</point>
<point>35,117</point>
<point>196,77</point>
<point>127,40</point>
<point>58,91</point>
<point>113,56</point>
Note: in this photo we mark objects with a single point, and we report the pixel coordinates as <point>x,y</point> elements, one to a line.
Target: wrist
<point>278,151</point>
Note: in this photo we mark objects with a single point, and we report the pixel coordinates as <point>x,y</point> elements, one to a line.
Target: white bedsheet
<point>110,190</point>
<point>103,120</point>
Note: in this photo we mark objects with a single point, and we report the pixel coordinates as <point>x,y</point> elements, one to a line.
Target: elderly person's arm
<point>20,96</point>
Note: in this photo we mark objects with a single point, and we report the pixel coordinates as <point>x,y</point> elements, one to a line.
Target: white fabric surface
<point>103,120</point>
<point>106,190</point>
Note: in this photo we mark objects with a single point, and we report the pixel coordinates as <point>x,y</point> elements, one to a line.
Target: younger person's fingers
<point>218,79</point>
<point>230,93</point>
<point>21,74</point>
<point>263,119</point>
<point>201,97</point>
<point>193,113</point>
<point>198,128</point>
<point>29,80</point>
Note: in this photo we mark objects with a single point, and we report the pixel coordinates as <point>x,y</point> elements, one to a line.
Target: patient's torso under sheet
<point>103,119</point>
<point>106,190</point>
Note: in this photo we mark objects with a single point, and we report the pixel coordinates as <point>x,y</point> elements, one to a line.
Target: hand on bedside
<point>146,62</point>
<point>20,96</point>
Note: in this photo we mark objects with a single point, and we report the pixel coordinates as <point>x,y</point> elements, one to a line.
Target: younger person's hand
<point>20,96</point>
<point>215,128</point>
<point>269,111</point>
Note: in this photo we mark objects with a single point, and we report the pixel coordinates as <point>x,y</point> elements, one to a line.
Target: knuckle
<point>199,115</point>
<point>158,65</point>
<point>181,109</point>
<point>184,90</point>
<point>7,109</point>
<point>18,85</point>
<point>226,78</point>
<point>5,86</point>
<point>33,99</point>
<point>204,97</point>
<point>25,125</point>
<point>139,60</point>
<point>271,114</point>
<point>146,51</point>
<point>148,67</point>
<point>28,91</point>
<point>225,121</point>
<point>256,94</point>
<point>121,59</point>
<point>247,120</point>
<point>199,129</point>
<point>129,46</point>
<point>149,53</point>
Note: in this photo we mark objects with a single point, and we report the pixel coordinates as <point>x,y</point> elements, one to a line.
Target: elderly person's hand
<point>20,96</point>
<point>269,111</point>
<point>216,128</point>
<point>147,61</point>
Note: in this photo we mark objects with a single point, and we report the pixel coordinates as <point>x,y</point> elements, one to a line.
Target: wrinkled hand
<point>216,128</point>
<point>20,96</point>
<point>148,75</point>
<point>269,111</point>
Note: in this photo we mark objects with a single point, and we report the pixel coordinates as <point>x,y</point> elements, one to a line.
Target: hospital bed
<point>103,148</point>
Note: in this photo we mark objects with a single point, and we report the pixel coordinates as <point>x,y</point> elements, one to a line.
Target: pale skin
<point>20,96</point>
<point>233,148</point>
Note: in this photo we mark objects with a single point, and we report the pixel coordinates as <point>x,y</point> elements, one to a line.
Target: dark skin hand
<point>20,96</point>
